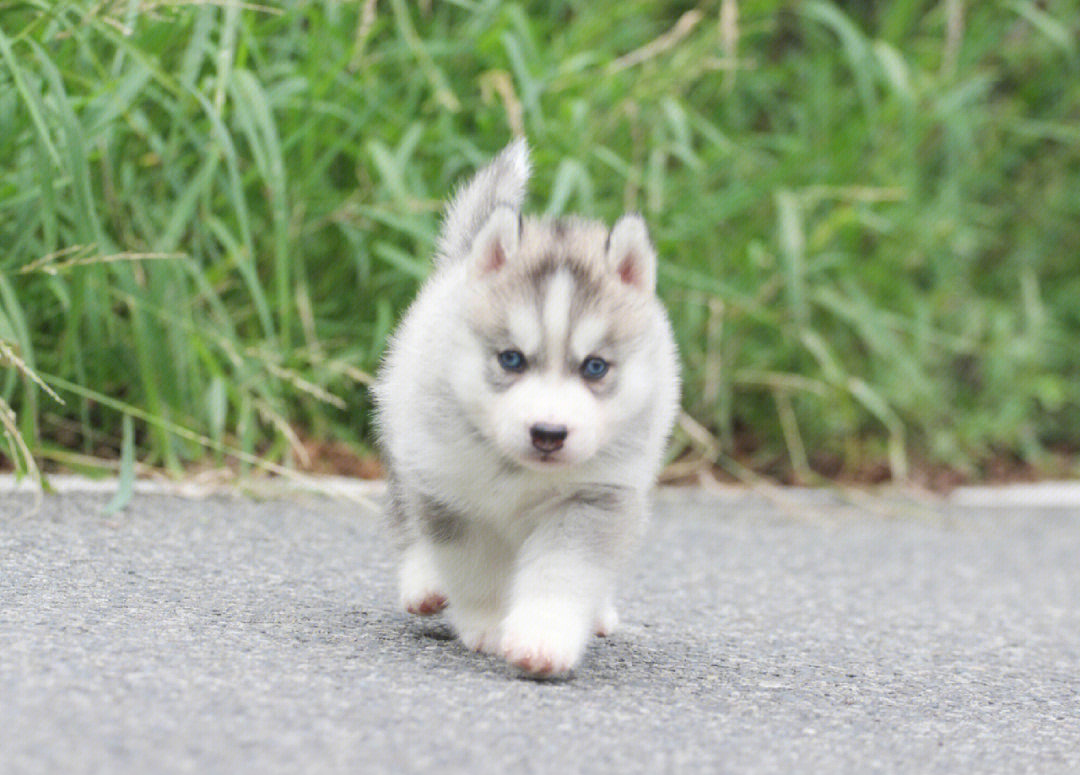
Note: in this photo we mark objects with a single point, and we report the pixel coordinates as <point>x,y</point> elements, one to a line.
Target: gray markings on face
<point>566,296</point>
<point>493,340</point>
<point>606,385</point>
<point>498,378</point>
<point>538,303</point>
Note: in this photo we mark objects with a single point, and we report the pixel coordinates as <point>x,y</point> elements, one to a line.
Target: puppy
<point>523,408</point>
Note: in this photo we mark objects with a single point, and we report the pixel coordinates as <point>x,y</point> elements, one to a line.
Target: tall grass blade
<point>125,486</point>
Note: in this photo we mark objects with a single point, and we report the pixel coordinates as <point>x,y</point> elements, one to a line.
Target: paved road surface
<point>235,636</point>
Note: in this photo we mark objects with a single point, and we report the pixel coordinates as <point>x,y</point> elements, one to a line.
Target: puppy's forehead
<point>523,326</point>
<point>589,336</point>
<point>557,308</point>
<point>571,244</point>
<point>558,291</point>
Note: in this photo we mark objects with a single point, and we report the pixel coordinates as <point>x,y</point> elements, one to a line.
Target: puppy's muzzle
<point>548,438</point>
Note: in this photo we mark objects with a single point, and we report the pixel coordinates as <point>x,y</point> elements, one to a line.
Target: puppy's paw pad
<point>541,654</point>
<point>420,588</point>
<point>424,603</point>
<point>539,663</point>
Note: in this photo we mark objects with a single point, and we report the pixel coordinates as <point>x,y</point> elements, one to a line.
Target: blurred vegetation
<point>211,214</point>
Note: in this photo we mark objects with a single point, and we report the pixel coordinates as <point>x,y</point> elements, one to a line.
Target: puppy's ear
<point>502,182</point>
<point>497,241</point>
<point>630,254</point>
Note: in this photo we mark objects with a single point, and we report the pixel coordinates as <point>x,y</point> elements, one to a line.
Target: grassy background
<point>868,214</point>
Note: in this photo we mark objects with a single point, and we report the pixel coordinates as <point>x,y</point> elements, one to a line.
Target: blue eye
<point>512,360</point>
<point>594,368</point>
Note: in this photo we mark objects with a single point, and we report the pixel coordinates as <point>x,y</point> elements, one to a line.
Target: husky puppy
<point>523,407</point>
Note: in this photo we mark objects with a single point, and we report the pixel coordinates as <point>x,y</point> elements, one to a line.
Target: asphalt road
<point>233,636</point>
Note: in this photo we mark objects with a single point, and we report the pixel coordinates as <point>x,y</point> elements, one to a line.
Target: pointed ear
<point>502,182</point>
<point>496,242</point>
<point>630,253</point>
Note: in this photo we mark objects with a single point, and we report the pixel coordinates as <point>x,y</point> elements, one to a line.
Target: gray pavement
<point>232,635</point>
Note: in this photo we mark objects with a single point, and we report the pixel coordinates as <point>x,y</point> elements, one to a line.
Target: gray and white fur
<point>523,408</point>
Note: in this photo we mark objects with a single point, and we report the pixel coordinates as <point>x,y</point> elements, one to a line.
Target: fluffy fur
<point>523,408</point>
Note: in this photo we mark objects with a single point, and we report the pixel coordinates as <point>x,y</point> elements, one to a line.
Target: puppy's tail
<point>502,182</point>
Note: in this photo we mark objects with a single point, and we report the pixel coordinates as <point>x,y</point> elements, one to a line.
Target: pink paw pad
<point>537,663</point>
<point>427,605</point>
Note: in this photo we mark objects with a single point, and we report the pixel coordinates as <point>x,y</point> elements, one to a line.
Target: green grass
<point>868,213</point>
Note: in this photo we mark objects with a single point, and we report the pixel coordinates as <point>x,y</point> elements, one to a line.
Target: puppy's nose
<point>548,438</point>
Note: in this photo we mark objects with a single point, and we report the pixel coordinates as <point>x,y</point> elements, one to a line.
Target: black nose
<point>548,438</point>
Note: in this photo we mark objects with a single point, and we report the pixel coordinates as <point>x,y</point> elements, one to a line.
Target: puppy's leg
<point>421,589</point>
<point>475,567</point>
<point>563,580</point>
<point>607,618</point>
<point>551,612</point>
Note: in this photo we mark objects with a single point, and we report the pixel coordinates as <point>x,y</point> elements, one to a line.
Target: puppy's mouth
<point>545,461</point>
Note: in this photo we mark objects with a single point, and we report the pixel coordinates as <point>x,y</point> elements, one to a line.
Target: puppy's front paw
<point>542,642</point>
<point>418,579</point>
